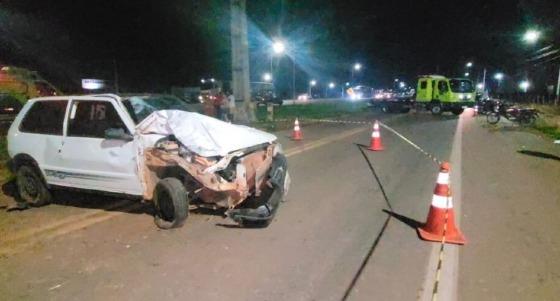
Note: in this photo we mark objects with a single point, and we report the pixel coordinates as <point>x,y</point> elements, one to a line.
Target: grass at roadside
<point>307,111</point>
<point>5,174</point>
<point>549,121</point>
<point>313,111</point>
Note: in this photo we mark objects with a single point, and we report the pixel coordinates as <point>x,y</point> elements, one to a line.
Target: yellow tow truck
<point>440,94</point>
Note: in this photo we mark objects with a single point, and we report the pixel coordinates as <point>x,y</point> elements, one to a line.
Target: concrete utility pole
<point>240,60</point>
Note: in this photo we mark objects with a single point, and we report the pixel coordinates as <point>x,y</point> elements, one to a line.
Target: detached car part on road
<point>135,146</point>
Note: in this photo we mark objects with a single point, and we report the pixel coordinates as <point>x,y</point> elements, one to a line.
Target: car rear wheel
<point>32,190</point>
<point>436,109</point>
<point>171,202</point>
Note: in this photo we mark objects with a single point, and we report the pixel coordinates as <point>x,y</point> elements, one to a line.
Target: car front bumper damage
<point>261,210</point>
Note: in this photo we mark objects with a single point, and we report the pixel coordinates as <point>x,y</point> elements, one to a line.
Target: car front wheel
<point>171,203</point>
<point>32,190</point>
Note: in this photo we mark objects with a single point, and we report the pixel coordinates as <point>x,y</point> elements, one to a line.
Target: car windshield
<point>461,86</point>
<point>139,107</point>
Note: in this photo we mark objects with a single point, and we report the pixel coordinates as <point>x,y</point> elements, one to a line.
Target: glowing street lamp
<point>278,47</point>
<point>531,36</point>
<point>356,67</point>
<point>467,74</point>
<point>203,81</point>
<point>469,64</point>
<point>499,76</point>
<point>312,83</point>
<point>479,86</point>
<point>267,77</point>
<point>402,85</point>
<point>331,85</point>
<point>524,85</point>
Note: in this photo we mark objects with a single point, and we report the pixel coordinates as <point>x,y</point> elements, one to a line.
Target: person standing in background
<point>231,107</point>
<point>218,102</point>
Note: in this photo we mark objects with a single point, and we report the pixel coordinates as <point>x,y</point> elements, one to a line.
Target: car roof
<point>65,97</point>
<point>116,97</point>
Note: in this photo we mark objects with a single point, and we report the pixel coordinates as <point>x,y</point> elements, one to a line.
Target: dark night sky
<point>157,44</point>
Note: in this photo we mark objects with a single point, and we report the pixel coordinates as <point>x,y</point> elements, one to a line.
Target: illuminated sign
<point>93,84</point>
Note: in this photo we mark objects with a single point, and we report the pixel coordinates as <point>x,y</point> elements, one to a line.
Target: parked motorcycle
<point>523,116</point>
<point>487,106</point>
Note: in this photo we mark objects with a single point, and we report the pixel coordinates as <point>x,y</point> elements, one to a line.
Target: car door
<point>440,91</point>
<point>422,93</point>
<point>40,134</point>
<point>91,161</point>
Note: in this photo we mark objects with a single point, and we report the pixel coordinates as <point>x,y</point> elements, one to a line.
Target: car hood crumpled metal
<point>203,135</point>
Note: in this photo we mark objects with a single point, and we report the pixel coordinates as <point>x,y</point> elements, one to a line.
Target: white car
<point>148,148</point>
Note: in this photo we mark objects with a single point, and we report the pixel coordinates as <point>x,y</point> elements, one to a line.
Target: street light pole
<point>557,88</point>
<point>483,81</point>
<point>293,78</point>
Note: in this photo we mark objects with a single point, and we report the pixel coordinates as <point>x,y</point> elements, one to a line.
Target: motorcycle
<point>487,106</point>
<point>523,116</point>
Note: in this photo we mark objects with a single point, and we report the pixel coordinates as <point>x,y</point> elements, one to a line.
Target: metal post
<point>293,78</point>
<point>557,88</point>
<point>483,81</point>
<point>116,75</point>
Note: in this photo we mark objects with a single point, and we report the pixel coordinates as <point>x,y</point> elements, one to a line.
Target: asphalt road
<point>346,231</point>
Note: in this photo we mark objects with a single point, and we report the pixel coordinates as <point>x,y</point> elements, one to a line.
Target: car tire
<point>171,202</point>
<point>457,112</point>
<point>31,187</point>
<point>436,108</point>
<point>385,109</point>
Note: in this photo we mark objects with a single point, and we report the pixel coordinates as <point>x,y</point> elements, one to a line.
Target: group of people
<point>224,106</point>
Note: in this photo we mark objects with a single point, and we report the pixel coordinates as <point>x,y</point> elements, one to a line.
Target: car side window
<point>442,87</point>
<point>423,84</point>
<point>45,117</point>
<point>91,118</point>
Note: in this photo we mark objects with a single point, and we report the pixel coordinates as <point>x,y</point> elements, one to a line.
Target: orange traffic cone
<point>440,225</point>
<point>375,144</point>
<point>297,135</point>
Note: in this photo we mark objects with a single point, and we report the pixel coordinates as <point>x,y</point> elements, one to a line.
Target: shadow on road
<point>539,155</point>
<point>412,223</point>
<point>96,201</point>
<point>86,200</point>
<point>361,148</point>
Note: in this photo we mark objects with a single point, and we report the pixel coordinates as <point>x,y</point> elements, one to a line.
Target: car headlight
<point>469,96</point>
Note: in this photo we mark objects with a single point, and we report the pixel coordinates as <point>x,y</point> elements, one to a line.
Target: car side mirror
<point>118,134</point>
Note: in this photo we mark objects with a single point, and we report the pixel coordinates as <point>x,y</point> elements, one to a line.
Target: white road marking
<point>448,278</point>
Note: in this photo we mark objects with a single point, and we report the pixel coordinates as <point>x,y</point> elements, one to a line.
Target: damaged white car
<point>148,147</point>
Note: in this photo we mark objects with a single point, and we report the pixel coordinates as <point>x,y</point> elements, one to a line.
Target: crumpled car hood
<point>203,135</point>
